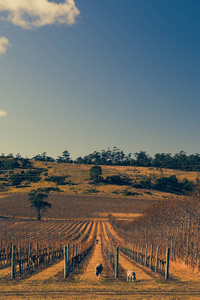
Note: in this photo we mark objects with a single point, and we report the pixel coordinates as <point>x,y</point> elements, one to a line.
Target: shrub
<point>95,174</point>
<point>118,180</point>
<point>143,184</point>
<point>169,184</point>
<point>59,180</point>
<point>93,191</point>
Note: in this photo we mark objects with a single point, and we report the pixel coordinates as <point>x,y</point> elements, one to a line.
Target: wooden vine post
<point>116,262</point>
<point>157,255</point>
<point>146,252</point>
<point>142,260</point>
<point>60,250</point>
<point>138,253</point>
<point>37,254</point>
<point>52,251</point>
<point>135,254</point>
<point>48,253</point>
<point>56,249</point>
<point>10,251</point>
<point>13,262</point>
<point>132,252</point>
<point>20,262</point>
<point>151,256</point>
<point>29,254</point>
<point>167,263</point>
<point>66,261</point>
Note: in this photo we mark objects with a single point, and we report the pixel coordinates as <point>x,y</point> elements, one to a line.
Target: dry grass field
<point>79,202</point>
<point>80,175</point>
<point>81,199</point>
<point>72,206</point>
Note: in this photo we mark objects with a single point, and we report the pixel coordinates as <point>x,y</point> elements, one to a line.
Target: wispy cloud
<point>3,113</point>
<point>32,14</point>
<point>4,44</point>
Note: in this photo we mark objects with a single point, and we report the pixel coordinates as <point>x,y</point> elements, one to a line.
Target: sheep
<point>98,270</point>
<point>131,275</point>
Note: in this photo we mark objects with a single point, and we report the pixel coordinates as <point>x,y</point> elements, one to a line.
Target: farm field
<point>47,282</point>
<point>73,206</point>
<point>78,215</point>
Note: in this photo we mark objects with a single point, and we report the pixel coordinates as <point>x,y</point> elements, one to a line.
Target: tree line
<point>180,161</point>
<point>114,157</point>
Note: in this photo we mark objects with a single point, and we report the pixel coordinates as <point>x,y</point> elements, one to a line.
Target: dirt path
<point>141,276</point>
<point>96,258</point>
<point>126,264</point>
<point>47,273</point>
<point>114,232</point>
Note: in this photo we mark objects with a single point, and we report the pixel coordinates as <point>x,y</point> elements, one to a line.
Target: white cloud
<point>4,44</point>
<point>3,113</point>
<point>31,14</point>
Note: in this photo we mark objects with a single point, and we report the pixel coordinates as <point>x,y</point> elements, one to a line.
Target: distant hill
<point>125,183</point>
<point>116,180</point>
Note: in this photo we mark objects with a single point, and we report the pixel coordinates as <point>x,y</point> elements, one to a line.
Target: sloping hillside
<point>79,196</point>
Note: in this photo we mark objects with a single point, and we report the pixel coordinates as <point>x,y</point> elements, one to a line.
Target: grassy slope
<point>80,200</point>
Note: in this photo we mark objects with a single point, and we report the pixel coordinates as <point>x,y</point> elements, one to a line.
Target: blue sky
<point>96,74</point>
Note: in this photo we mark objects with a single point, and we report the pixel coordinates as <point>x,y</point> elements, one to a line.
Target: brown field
<point>77,202</point>
<point>72,206</point>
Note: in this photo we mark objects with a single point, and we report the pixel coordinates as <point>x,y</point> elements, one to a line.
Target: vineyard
<point>31,251</point>
<point>26,246</point>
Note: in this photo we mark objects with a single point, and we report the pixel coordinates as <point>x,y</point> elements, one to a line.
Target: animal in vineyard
<point>98,269</point>
<point>131,275</point>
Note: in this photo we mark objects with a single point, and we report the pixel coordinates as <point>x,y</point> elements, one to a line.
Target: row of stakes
<point>66,262</point>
